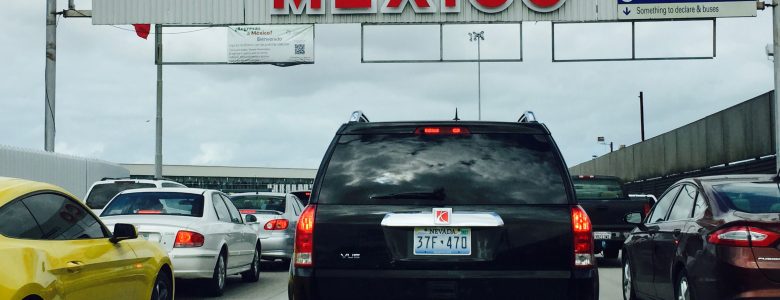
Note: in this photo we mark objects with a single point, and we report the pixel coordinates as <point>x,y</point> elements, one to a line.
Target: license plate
<point>152,237</point>
<point>602,235</point>
<point>441,241</point>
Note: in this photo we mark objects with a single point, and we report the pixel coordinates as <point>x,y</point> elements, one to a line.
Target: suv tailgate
<point>534,243</point>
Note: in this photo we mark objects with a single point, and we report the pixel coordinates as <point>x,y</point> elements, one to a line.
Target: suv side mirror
<point>633,218</point>
<point>250,219</point>
<point>123,232</point>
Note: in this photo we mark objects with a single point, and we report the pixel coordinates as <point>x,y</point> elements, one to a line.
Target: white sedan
<point>203,232</point>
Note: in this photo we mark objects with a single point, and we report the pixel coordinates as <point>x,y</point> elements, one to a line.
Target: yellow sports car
<point>53,247</point>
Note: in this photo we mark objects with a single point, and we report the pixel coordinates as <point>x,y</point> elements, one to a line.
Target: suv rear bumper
<point>306,284</point>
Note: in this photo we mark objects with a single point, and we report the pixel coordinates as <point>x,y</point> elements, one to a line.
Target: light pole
<point>478,37</point>
<point>603,141</point>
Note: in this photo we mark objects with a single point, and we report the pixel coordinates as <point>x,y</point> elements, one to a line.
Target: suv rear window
<point>597,189</point>
<point>750,197</point>
<point>157,203</point>
<point>102,193</point>
<point>485,168</point>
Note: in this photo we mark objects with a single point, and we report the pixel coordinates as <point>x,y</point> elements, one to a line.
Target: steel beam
<point>776,35</point>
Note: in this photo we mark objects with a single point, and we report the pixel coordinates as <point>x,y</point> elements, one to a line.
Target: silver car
<point>203,232</point>
<point>277,215</point>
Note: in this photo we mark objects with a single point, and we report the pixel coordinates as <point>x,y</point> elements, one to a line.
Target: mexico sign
<point>684,9</point>
<point>289,12</point>
<point>320,7</point>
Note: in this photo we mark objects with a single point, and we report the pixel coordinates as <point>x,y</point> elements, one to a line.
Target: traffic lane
<point>272,285</point>
<point>274,276</point>
<point>610,279</point>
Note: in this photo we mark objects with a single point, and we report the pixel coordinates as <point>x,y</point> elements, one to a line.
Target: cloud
<point>286,117</point>
<point>83,149</point>
<point>214,154</point>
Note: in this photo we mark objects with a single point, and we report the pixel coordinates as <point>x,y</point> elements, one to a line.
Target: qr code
<point>300,49</point>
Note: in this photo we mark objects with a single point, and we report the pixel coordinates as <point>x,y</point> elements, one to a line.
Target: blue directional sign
<point>684,9</point>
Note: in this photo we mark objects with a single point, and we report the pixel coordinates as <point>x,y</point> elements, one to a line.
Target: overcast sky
<point>286,117</point>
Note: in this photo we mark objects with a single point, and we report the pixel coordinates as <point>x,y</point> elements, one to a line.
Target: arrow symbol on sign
<point>627,11</point>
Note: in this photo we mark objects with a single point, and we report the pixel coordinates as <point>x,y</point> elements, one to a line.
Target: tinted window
<point>222,211</point>
<point>597,189</point>
<point>700,207</point>
<point>259,202</point>
<point>683,207</point>
<point>235,216</point>
<point>17,222</point>
<point>156,203</point>
<point>662,207</point>
<point>750,197</point>
<point>303,196</point>
<point>102,193</point>
<point>61,218</point>
<point>459,169</point>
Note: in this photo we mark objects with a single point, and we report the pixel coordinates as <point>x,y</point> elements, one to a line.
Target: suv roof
<point>474,127</point>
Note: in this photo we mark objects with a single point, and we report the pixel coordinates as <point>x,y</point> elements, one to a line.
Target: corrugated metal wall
<point>739,133</point>
<point>223,12</point>
<point>117,12</point>
<point>75,174</point>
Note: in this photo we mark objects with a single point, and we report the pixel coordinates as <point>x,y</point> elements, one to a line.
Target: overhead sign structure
<point>684,9</point>
<point>348,7</point>
<point>279,44</point>
<point>279,12</point>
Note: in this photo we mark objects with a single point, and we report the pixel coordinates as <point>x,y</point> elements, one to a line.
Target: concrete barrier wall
<point>741,132</point>
<point>75,174</point>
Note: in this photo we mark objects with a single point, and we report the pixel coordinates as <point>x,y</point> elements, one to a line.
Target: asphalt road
<point>273,284</point>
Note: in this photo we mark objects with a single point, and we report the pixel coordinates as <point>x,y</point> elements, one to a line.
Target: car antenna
<point>456,115</point>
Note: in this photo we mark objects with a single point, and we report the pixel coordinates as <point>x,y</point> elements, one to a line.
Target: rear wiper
<point>437,194</point>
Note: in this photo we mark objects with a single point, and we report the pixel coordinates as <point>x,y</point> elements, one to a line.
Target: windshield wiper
<point>437,194</point>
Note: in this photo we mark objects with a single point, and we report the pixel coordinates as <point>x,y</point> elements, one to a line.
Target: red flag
<point>142,30</point>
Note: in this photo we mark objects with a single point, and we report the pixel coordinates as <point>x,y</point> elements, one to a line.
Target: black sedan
<point>707,238</point>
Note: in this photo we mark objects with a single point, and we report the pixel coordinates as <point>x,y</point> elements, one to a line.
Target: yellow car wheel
<point>163,286</point>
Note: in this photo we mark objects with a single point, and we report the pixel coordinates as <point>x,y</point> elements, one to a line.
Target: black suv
<point>443,210</point>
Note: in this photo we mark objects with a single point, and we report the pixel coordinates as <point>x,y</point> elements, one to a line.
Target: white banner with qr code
<point>270,44</point>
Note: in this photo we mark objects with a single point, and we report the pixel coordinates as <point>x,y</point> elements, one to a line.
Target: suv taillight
<point>583,238</point>
<point>304,238</point>
<point>278,224</point>
<point>188,239</point>
<point>743,236</point>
